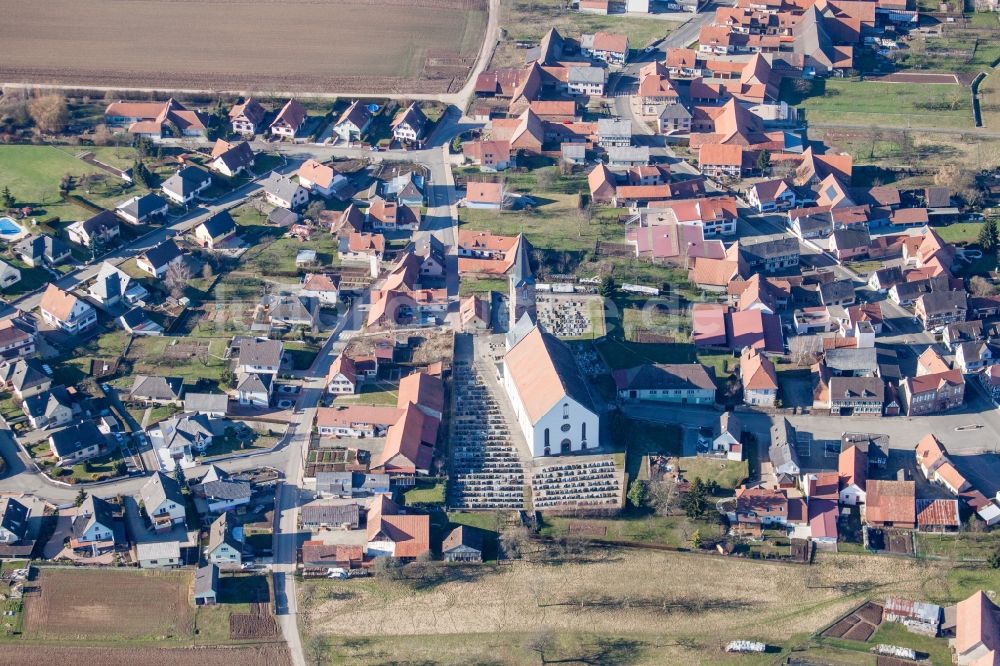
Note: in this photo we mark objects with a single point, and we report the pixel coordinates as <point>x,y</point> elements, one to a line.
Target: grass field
<point>727,473</point>
<point>609,609</point>
<point>287,45</point>
<point>54,655</point>
<point>33,173</point>
<point>960,233</point>
<point>868,103</point>
<point>528,22</point>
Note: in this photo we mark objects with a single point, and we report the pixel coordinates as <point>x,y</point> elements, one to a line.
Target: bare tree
<point>980,286</point>
<point>540,642</point>
<point>49,112</point>
<point>177,278</point>
<point>206,271</point>
<point>102,135</point>
<point>663,496</point>
<point>803,349</point>
<point>513,541</point>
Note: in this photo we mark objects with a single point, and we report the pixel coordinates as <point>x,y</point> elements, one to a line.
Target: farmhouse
<point>977,631</point>
<point>356,420</point>
<point>327,515</point>
<point>677,383</point>
<point>392,534</point>
<point>608,47</point>
<point>890,504</point>
<point>549,395</point>
<point>156,119</point>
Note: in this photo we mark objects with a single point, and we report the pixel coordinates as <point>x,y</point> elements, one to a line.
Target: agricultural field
<point>865,103</point>
<point>283,46</point>
<point>111,606</point>
<point>57,655</point>
<point>570,610</point>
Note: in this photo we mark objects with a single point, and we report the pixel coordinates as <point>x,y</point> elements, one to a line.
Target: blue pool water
<point>9,227</point>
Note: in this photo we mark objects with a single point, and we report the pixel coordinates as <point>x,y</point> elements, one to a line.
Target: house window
<point>546,438</point>
<point>566,410</point>
<point>565,427</point>
<point>583,431</point>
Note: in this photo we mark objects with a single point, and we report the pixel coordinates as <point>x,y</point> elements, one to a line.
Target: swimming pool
<point>9,229</point>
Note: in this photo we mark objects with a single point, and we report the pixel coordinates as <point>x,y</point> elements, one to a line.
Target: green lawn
<point>957,546</point>
<point>425,492</point>
<point>618,354</point>
<point>869,103</point>
<point>960,233</point>
<point>370,393</point>
<point>33,174</point>
<point>150,356</point>
<point>893,633</point>
<point>226,445</point>
<point>475,285</point>
<point>670,531</point>
<point>727,473</point>
<point>278,258</point>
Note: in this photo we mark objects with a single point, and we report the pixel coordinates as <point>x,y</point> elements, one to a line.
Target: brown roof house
<point>760,381</point>
<point>410,125</point>
<point>247,117</point>
<point>156,119</point>
<point>484,195</point>
<point>977,632</point>
<point>463,544</point>
<point>353,122</point>
<point>289,120</point>
<point>689,383</point>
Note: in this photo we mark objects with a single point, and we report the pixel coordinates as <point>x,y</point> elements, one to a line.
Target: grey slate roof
<point>850,359</point>
<point>186,181</point>
<point>42,246</point>
<point>937,302</point>
<point>783,440</point>
<point>13,516</point>
<point>95,510</point>
<point>586,75</point>
<point>47,402</point>
<point>871,389</point>
<point>220,533</point>
<point>254,351</point>
<point>141,207</point>
<point>837,290</point>
<point>206,402</point>
<point>280,186</point>
<point>317,513</point>
<point>155,387</point>
<point>75,438</point>
<point>219,224</point>
<point>658,376</point>
<point>28,373</point>
<point>159,489</point>
<point>162,254</point>
<point>206,580</point>
<point>223,489</point>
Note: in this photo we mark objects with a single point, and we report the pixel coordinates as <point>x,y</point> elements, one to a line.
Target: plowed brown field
<point>106,605</point>
<point>262,46</point>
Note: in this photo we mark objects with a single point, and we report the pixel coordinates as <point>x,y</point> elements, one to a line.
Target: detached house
<point>13,521</point>
<point>50,409</point>
<point>17,338</point>
<point>224,549</point>
<point>289,120</point>
<point>113,286</point>
<point>75,443</point>
<point>688,383</point>
<point>353,122</point>
<point>320,178</point>
<point>139,210</point>
<point>65,311</point>
<point>42,250</point>
<point>940,308</point>
<point>409,125</point>
<point>157,390</point>
<point>157,260</point>
<point>324,287</point>
<point>343,377</point>
<point>282,191</point>
<point>247,117</point>
<point>232,159</point>
<point>215,231</point>
<point>184,186</point>
<point>97,231</point>
<point>156,119</point>
<point>97,528</point>
<point>163,502</point>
